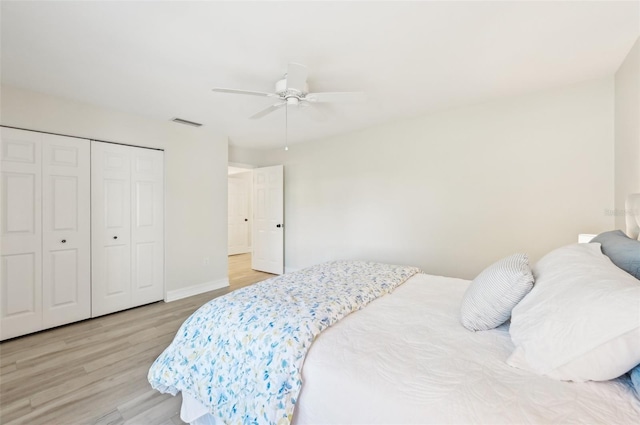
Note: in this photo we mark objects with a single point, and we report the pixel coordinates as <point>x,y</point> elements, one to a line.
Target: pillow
<point>491,296</point>
<point>635,380</point>
<point>581,321</point>
<point>622,250</point>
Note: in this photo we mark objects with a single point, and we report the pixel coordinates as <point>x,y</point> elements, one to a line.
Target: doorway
<point>240,213</point>
<point>240,221</point>
<point>255,222</point>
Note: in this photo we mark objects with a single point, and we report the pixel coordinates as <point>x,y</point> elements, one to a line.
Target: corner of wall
<point>189,291</point>
<point>627,133</point>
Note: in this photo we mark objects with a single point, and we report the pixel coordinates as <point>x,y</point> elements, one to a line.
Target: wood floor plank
<point>68,355</point>
<point>15,410</point>
<point>139,405</point>
<point>27,342</point>
<point>8,368</point>
<point>24,388</point>
<point>157,413</point>
<point>32,352</point>
<point>176,420</point>
<point>95,371</point>
<point>84,381</point>
<point>111,418</point>
<point>149,347</point>
<point>88,404</point>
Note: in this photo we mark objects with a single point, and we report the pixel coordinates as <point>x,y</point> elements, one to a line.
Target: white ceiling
<point>160,59</point>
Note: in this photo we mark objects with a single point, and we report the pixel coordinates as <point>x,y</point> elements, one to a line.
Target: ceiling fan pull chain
<point>286,127</point>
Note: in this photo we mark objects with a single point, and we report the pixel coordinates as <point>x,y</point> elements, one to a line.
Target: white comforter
<point>407,359</point>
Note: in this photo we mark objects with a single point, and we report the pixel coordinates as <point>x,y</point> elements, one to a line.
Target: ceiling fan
<point>293,90</point>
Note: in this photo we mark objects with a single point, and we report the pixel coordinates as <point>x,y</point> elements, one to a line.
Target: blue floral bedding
<point>241,355</point>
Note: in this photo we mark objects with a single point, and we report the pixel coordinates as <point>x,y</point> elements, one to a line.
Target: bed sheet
<point>406,359</point>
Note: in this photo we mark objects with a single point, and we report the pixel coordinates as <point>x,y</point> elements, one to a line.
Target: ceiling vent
<point>186,122</point>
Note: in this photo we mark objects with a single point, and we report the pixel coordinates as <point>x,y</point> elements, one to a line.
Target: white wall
<point>453,192</point>
<point>627,130</point>
<point>195,180</point>
<point>252,157</point>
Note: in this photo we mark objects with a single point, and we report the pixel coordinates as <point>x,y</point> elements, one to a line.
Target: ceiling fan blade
<point>327,97</point>
<point>296,77</point>
<point>316,112</point>
<point>267,110</point>
<point>249,92</point>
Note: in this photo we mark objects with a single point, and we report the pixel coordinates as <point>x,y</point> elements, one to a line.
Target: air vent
<point>186,122</point>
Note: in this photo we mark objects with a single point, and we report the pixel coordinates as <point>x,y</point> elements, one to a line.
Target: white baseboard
<point>189,291</point>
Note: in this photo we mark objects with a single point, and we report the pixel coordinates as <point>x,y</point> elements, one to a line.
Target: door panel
<point>145,264</point>
<point>144,203</point>
<point>65,279</point>
<point>19,192</point>
<point>65,199</point>
<point>116,278</point>
<point>268,224</point>
<point>111,227</point>
<point>20,232</point>
<point>19,288</point>
<point>66,237</point>
<point>147,232</point>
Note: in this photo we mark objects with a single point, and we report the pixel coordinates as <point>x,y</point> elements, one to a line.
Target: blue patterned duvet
<point>241,355</point>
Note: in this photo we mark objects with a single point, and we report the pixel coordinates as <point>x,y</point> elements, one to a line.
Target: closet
<point>81,229</point>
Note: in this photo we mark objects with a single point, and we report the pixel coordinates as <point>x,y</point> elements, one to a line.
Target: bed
<point>405,358</point>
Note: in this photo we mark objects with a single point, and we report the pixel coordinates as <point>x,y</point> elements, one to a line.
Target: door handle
<point>278,225</point>
<point>63,241</point>
<point>115,237</point>
<point>246,219</point>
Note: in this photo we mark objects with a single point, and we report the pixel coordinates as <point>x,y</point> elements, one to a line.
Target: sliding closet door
<point>66,238</point>
<point>111,227</point>
<point>20,233</point>
<point>147,218</point>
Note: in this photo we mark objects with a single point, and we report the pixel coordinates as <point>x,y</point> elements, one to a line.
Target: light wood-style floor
<point>95,371</point>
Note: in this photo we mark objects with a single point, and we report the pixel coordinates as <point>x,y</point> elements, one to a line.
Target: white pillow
<point>491,296</point>
<point>581,321</point>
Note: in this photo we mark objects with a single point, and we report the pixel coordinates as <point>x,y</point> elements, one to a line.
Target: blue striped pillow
<point>492,295</point>
<point>635,380</point>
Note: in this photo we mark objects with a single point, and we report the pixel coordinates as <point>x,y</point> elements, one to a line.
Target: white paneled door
<point>238,215</point>
<point>268,223</point>
<point>127,226</point>
<point>147,226</point>
<point>110,227</point>
<point>21,237</point>
<point>45,231</point>
<point>66,238</point>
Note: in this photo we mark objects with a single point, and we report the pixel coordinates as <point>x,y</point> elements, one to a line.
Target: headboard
<point>632,210</point>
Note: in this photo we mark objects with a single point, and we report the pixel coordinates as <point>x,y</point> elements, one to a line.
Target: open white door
<point>268,223</point>
<point>239,226</point>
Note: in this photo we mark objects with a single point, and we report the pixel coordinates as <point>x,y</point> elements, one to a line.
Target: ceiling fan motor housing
<point>282,91</point>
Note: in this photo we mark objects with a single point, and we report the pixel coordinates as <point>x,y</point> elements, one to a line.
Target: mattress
<point>407,359</point>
